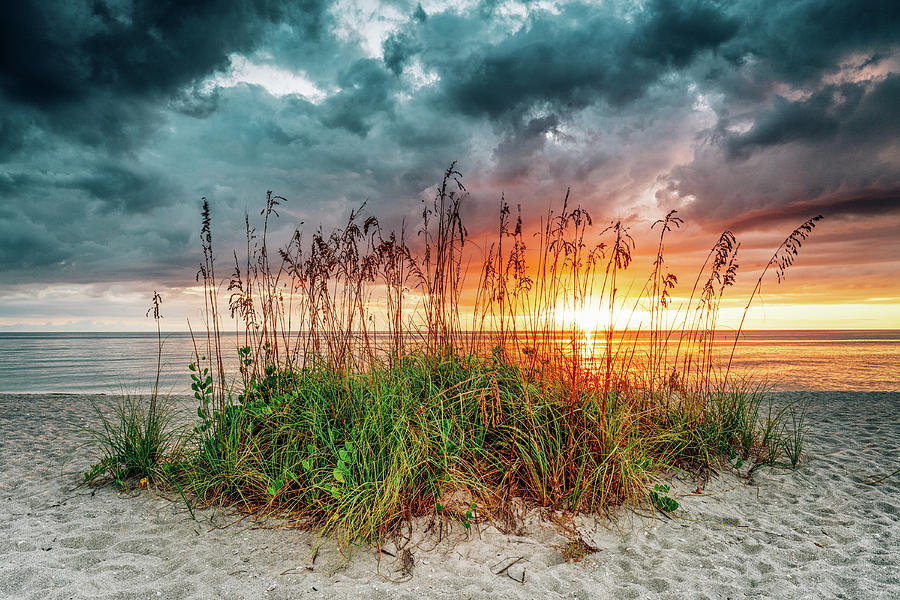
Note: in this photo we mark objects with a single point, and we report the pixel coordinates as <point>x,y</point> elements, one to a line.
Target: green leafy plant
<point>202,385</point>
<point>244,358</point>
<point>659,497</point>
<point>344,464</point>
<point>470,512</point>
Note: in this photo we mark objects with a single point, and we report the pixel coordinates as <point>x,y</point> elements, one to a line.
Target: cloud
<point>579,57</point>
<point>814,119</point>
<point>798,42</point>
<point>99,72</point>
<point>58,53</point>
<point>276,80</point>
<point>838,142</point>
<point>365,93</point>
<point>876,203</point>
<point>116,117</point>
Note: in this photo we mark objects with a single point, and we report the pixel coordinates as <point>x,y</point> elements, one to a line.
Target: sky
<point>117,117</point>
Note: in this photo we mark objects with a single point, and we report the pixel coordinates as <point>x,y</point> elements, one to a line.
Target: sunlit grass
<point>537,400</point>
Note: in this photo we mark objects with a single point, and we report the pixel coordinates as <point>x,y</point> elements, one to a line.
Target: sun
<point>593,317</point>
<point>585,317</point>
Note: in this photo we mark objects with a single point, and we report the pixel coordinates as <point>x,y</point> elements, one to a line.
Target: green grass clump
<point>136,439</point>
<point>356,427</point>
<point>136,436</point>
<point>357,452</point>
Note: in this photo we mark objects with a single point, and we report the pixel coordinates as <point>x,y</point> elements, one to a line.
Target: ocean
<point>34,363</point>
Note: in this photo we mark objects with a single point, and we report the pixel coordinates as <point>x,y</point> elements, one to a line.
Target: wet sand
<point>817,532</point>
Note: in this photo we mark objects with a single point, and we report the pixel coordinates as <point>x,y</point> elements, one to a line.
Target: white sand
<point>813,533</point>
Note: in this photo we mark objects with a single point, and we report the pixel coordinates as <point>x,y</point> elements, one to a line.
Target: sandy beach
<point>817,532</point>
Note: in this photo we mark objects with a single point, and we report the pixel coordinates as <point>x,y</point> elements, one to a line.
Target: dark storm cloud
<point>807,97</point>
<point>99,72</point>
<point>874,204</point>
<point>195,102</point>
<point>104,223</point>
<point>85,88</point>
<point>12,137</point>
<point>521,82</point>
<point>521,143</point>
<point>24,245</point>
<point>398,49</point>
<point>798,41</point>
<point>124,188</point>
<point>839,140</point>
<point>115,117</point>
<point>584,55</point>
<point>63,52</point>
<point>810,120</point>
<point>365,93</point>
<point>851,113</point>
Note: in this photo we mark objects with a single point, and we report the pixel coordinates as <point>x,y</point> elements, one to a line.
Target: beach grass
<point>137,439</point>
<point>365,397</point>
<point>452,436</point>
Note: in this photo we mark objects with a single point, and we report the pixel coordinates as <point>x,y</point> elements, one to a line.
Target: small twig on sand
<point>517,580</point>
<point>504,569</point>
<point>880,480</point>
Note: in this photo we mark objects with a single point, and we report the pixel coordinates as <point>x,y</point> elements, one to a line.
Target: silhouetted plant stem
<point>781,260</point>
<point>154,312</point>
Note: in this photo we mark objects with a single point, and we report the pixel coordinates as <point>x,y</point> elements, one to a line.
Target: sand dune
<point>817,532</point>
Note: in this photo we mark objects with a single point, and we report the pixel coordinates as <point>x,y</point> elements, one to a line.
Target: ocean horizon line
<point>186,333</point>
